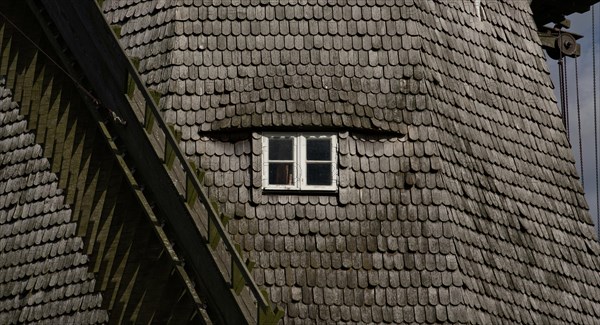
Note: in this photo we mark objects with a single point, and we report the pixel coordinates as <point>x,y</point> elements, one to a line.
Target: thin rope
<point>595,117</point>
<point>566,87</point>
<point>561,81</point>
<point>579,123</point>
<point>561,78</point>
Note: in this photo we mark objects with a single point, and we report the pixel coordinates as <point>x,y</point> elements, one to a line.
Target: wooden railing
<point>153,147</point>
<point>211,224</point>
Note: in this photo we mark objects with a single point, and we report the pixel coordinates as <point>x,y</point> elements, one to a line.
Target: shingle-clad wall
<point>524,237</point>
<point>458,197</point>
<point>230,65</point>
<point>76,246</point>
<point>379,250</point>
<point>44,275</point>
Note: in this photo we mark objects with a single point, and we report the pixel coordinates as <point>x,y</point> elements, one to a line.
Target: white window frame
<point>300,161</point>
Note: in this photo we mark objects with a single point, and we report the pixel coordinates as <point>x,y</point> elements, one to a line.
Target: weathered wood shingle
<point>67,206</point>
<point>365,254</point>
<point>467,209</point>
<point>523,235</point>
<point>44,274</point>
<point>247,66</point>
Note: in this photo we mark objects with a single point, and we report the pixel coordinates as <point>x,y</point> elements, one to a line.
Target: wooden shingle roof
<point>458,198</point>
<point>108,228</point>
<point>271,66</point>
<point>44,274</point>
<point>523,236</point>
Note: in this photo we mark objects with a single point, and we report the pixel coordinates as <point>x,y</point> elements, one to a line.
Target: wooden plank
<point>102,58</point>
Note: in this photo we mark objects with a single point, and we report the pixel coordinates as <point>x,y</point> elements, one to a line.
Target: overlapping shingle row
<point>44,273</point>
<point>380,250</point>
<point>524,238</point>
<point>257,65</point>
<point>466,209</point>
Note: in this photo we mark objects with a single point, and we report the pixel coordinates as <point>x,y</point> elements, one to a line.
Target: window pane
<point>318,149</point>
<point>281,149</point>
<point>318,174</point>
<point>281,174</point>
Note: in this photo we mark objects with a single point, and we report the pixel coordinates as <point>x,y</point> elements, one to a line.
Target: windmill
<point>247,161</point>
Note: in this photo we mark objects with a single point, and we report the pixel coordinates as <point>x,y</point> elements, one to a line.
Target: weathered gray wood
<point>472,143</point>
<point>106,55</point>
<point>41,250</point>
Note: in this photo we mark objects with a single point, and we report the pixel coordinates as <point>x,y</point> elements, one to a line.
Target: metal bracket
<point>559,43</point>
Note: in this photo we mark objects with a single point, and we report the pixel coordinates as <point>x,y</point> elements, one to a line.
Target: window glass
<point>318,149</point>
<point>281,173</point>
<point>281,148</point>
<point>299,161</point>
<point>318,174</point>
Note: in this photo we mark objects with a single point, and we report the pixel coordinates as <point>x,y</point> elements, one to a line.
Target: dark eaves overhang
<point>552,25</point>
<point>554,11</point>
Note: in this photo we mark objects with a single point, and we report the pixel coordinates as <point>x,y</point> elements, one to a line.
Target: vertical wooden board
<point>67,145</point>
<point>11,59</point>
<point>43,110</point>
<point>77,135</point>
<point>182,313</point>
<point>74,198</point>
<point>24,60</point>
<point>85,195</point>
<point>122,232</point>
<point>88,179</point>
<point>5,51</point>
<point>135,312</point>
<point>157,277</point>
<point>38,107</point>
<point>4,60</point>
<point>20,64</point>
<point>119,314</point>
<point>148,118</point>
<point>106,196</point>
<point>27,84</point>
<point>2,40</point>
<point>104,223</point>
<point>110,281</point>
<point>60,133</point>
<point>111,224</point>
<point>172,294</point>
<point>52,122</point>
<point>77,162</point>
<point>137,234</point>
<point>95,222</point>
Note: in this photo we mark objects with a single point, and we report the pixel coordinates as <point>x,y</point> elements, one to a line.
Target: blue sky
<point>582,24</point>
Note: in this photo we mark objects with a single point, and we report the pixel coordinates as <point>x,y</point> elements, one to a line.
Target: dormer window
<point>300,161</point>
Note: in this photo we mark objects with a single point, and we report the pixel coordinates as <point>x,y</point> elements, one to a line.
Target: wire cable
<point>563,93</point>
<point>562,85</point>
<point>566,87</point>
<point>579,123</point>
<point>595,101</point>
